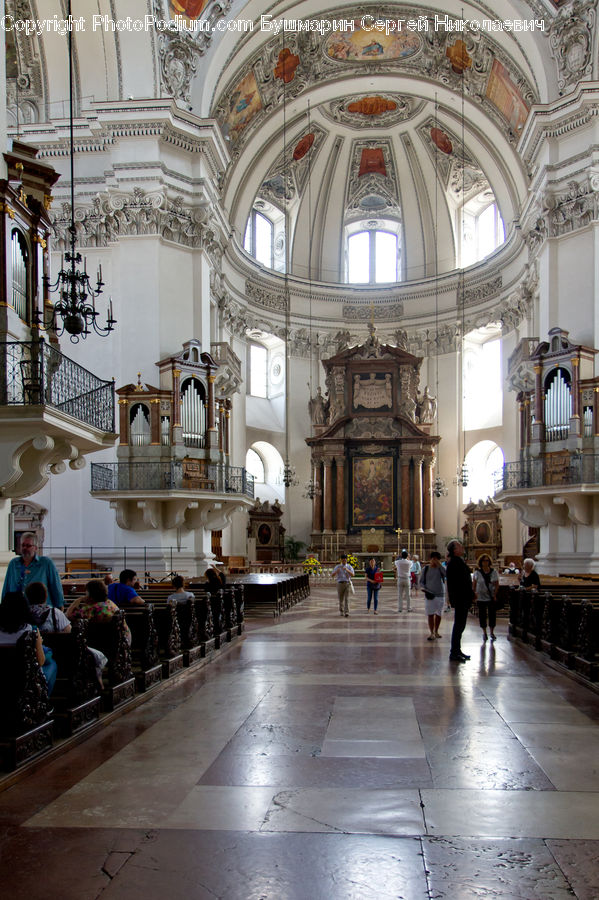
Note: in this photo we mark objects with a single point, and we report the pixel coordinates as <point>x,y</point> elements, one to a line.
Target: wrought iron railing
<point>169,476</point>
<point>576,468</point>
<point>32,373</point>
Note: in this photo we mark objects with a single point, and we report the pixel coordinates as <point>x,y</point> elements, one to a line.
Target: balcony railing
<point>169,476</point>
<point>576,468</point>
<point>32,373</point>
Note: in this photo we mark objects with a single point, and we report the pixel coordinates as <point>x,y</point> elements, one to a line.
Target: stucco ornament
<point>570,37</point>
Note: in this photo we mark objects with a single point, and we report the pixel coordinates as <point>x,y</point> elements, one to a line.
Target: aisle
<point>330,758</point>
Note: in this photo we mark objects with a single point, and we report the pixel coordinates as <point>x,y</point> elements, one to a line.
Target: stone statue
<point>427,408</point>
<point>318,408</point>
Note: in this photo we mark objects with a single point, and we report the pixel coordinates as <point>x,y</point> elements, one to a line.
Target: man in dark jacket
<point>460,595</point>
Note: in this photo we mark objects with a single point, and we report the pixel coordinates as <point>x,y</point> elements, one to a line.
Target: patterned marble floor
<point>325,757</point>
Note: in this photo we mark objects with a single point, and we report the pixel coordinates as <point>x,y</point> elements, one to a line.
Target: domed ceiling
<point>373,125</point>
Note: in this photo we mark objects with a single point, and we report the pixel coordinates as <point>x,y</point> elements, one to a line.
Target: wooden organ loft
<point>188,418</point>
<point>372,455</point>
<point>554,484</point>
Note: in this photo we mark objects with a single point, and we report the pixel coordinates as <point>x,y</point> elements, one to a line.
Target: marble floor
<point>325,758</point>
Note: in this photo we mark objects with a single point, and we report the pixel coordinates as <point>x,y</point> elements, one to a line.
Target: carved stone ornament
<point>372,192</point>
<point>263,296</point>
<point>571,40</point>
<point>371,392</point>
<point>113,214</point>
<point>482,291</point>
<point>179,57</point>
<point>362,313</point>
<point>459,172</point>
<point>536,235</point>
<point>575,208</point>
<point>372,428</point>
<point>27,86</point>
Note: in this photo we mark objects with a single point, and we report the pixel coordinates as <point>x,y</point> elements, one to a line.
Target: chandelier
<point>75,312</point>
<point>289,478</point>
<point>439,489</point>
<point>462,475</point>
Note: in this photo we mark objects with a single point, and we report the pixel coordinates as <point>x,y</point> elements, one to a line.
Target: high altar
<point>373,454</point>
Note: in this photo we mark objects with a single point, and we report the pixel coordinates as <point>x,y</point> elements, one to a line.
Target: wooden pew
<point>111,638</point>
<point>147,667</point>
<point>25,723</point>
<point>76,696</point>
<point>169,636</point>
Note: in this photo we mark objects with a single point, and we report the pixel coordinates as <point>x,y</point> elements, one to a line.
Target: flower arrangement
<point>312,566</point>
<point>353,560</point>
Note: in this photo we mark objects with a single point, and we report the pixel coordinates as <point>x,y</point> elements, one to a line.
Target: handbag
<point>351,585</point>
<point>428,594</point>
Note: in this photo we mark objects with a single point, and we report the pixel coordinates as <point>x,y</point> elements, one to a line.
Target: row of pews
<point>273,593</point>
<point>562,621</point>
<point>166,637</point>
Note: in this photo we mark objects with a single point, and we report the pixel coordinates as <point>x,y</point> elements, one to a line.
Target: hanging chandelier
<point>75,312</point>
<point>462,475</point>
<point>439,489</point>
<point>289,477</point>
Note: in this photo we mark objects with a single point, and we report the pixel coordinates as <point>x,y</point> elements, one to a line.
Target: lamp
<point>75,312</point>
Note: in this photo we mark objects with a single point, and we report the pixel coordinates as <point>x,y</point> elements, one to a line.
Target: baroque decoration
<point>362,111</point>
<point>571,41</point>
<point>482,81</point>
<point>459,173</point>
<point>372,183</point>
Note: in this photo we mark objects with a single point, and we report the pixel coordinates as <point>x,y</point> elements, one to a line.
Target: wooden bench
<point>145,661</point>
<point>76,696</point>
<point>111,638</point>
<point>25,725</point>
<point>169,636</point>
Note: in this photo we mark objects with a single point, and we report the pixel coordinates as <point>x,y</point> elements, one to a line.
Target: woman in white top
<point>180,594</point>
<point>47,618</point>
<point>486,585</point>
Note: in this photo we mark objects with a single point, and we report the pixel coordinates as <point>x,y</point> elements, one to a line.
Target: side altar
<point>372,454</point>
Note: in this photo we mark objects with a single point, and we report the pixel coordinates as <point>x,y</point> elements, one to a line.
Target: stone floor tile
<point>477,869</point>
<point>578,860</point>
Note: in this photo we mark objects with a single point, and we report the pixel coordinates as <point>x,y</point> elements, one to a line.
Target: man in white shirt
<point>403,566</point>
<point>343,573</point>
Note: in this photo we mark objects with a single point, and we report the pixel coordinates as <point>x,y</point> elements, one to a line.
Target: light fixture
<point>461,478</point>
<point>75,312</point>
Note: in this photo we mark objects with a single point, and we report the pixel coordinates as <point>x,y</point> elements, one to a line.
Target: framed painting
<point>372,491</point>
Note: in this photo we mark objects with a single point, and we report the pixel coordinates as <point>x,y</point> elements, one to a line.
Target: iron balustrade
<point>169,476</point>
<point>32,373</point>
<point>581,468</point>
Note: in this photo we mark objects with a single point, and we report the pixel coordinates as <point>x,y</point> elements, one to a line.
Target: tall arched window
<point>481,228</point>
<point>20,269</point>
<point>259,236</point>
<point>485,462</point>
<point>372,255</point>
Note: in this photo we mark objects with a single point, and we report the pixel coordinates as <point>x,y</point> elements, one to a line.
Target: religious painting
<point>372,162</point>
<point>483,533</point>
<point>244,103</point>
<point>374,391</point>
<point>264,534</point>
<point>187,9</point>
<point>368,45</point>
<point>504,94</point>
<point>372,491</point>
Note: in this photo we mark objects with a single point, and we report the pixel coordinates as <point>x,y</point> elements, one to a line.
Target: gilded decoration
<point>353,111</point>
<point>303,146</point>
<point>459,57</point>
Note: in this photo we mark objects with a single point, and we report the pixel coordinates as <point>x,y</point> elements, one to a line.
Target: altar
<point>372,454</point>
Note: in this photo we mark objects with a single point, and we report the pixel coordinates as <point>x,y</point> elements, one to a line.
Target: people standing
<point>415,572</point>
<point>30,567</point>
<point>486,585</point>
<point>373,584</point>
<point>343,573</point>
<point>432,581</point>
<point>403,566</point>
<point>460,595</point>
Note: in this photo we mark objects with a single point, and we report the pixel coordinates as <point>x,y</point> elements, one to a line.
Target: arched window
<point>485,463</point>
<point>255,466</point>
<point>259,236</point>
<point>193,413</point>
<point>139,425</point>
<point>481,379</point>
<point>372,255</point>
<point>258,370</point>
<point>481,228</point>
<point>20,269</point>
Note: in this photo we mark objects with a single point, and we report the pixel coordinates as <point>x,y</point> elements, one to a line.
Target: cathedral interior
<point>321,279</point>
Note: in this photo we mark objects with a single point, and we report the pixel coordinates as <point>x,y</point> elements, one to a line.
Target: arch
<point>193,412</point>
<point>139,425</point>
<point>483,460</point>
<point>20,274</point>
<point>268,457</point>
